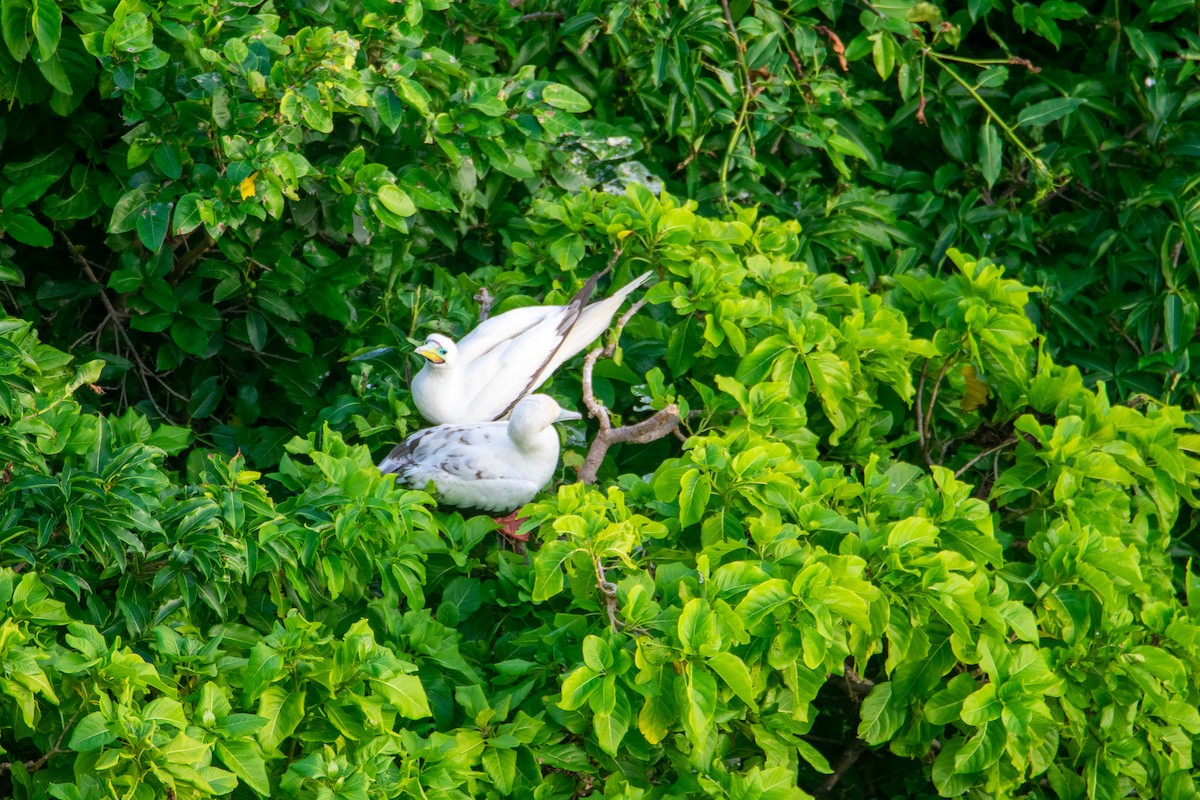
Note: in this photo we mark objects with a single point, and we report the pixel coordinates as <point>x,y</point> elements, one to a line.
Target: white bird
<point>482,377</point>
<point>491,466</point>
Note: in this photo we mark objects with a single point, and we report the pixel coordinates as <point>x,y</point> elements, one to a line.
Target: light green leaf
<point>763,599</point>
<point>566,98</point>
<point>395,200</point>
<point>735,674</point>
<point>244,760</point>
<point>407,694</point>
<point>283,712</point>
<point>91,733</point>
<point>695,488</point>
<point>878,718</point>
<point>612,726</point>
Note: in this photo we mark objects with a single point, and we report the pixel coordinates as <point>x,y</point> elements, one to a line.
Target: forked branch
<point>664,423</point>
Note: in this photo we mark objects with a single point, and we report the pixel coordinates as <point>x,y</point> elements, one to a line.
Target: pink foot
<point>509,524</point>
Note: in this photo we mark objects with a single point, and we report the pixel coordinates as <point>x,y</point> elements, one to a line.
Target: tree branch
<point>34,764</point>
<point>662,424</point>
<point>962,470</point>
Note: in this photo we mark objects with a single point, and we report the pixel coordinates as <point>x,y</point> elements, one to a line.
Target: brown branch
<point>921,415</point>
<point>189,258</point>
<point>848,760</point>
<point>937,384</point>
<point>541,15</point>
<point>662,424</point>
<point>962,470</point>
<point>142,369</point>
<point>839,49</point>
<point>34,764</point>
<point>609,590</point>
<point>1023,62</point>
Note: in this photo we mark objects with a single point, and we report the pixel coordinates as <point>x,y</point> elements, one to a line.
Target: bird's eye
<point>441,351</point>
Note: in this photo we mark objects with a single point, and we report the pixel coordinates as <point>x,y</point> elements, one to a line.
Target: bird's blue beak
<point>567,416</point>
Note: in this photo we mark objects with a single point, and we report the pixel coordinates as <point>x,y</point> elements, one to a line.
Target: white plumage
<point>506,357</point>
<point>492,466</point>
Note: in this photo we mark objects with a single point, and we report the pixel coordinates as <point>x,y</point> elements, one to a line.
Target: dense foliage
<point>924,294</point>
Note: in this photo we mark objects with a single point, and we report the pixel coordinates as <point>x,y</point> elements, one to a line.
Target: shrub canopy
<point>924,298</point>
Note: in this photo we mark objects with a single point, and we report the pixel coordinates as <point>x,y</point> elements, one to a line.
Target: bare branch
<point>664,423</point>
<point>963,470</point>
<point>116,316</point>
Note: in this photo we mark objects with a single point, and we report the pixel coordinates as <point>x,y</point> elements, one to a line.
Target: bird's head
<point>535,413</point>
<point>438,349</point>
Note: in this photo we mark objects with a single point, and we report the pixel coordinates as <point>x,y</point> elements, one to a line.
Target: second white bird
<point>492,466</point>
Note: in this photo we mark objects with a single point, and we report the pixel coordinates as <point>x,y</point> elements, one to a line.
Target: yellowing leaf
<point>246,187</point>
<point>977,391</point>
<point>623,235</point>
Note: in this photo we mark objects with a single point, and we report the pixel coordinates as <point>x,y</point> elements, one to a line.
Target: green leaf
<point>694,491</point>
<point>244,760</point>
<point>1048,111</point>
<point>127,211</point>
<point>47,26</point>
<point>990,153</point>
<point>700,708</point>
<point>25,192</point>
<point>152,224</point>
<point>733,671</point>
<point>758,362</point>
<point>283,711</point>
<point>1165,10</point>
<point>944,706</point>
<point>883,52</point>
<point>263,667</point>
<point>389,107</point>
<point>501,768</point>
<point>16,26</point>
<point>566,98</point>
<point>407,694</point>
<point>878,718</point>
<point>762,600</point>
<point>27,230</point>
<point>395,200</point>
<point>697,627</point>
<point>657,716</point>
<point>611,727</point>
<point>578,687</point>
<point>91,733</point>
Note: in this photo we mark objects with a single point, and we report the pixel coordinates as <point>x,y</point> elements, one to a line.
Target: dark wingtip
<point>400,459</point>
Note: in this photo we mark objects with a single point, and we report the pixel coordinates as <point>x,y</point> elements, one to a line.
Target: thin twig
<point>937,384</point>
<point>142,369</point>
<point>921,415</point>
<point>962,470</point>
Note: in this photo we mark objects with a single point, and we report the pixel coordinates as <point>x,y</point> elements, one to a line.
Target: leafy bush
<point>928,530</point>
